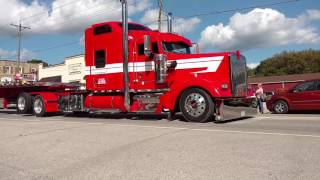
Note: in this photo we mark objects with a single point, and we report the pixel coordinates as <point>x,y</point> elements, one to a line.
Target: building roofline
<point>15,61</point>
<point>54,65</point>
<point>74,56</point>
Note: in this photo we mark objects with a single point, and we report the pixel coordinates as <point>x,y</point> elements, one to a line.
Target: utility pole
<point>160,4</point>
<point>20,29</point>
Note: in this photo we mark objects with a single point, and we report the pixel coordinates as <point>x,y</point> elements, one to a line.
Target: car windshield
<point>176,47</point>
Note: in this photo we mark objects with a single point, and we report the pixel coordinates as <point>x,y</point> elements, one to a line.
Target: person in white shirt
<point>259,94</point>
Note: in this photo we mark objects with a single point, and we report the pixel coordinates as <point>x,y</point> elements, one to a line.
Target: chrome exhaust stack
<point>169,21</point>
<point>125,54</point>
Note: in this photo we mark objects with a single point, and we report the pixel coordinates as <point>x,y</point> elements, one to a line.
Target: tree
<point>307,61</point>
<point>45,64</point>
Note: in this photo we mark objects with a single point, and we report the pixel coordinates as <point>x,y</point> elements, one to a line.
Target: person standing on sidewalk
<point>259,95</point>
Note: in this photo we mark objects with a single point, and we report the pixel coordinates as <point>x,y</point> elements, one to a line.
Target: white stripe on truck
<point>211,63</point>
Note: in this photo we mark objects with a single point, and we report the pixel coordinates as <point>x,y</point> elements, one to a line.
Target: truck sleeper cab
<point>164,77</point>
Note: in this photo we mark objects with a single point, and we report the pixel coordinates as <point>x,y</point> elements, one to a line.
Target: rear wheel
<point>38,107</point>
<point>280,107</point>
<point>254,103</point>
<point>24,103</point>
<point>196,105</point>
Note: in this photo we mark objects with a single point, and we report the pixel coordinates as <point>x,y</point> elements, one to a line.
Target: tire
<point>280,107</point>
<point>24,103</point>
<point>254,103</point>
<point>196,105</point>
<point>39,107</point>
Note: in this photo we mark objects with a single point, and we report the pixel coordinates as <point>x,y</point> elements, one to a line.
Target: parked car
<point>303,96</point>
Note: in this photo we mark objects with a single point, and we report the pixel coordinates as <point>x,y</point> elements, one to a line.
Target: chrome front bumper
<point>227,112</point>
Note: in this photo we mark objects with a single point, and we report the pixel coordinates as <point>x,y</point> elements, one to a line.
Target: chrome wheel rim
<point>279,107</point>
<point>21,103</point>
<point>195,104</point>
<point>38,106</point>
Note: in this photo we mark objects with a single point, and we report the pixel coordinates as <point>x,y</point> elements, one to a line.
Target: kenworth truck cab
<point>163,75</point>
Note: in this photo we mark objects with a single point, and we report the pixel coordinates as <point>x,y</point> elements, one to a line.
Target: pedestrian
<point>259,96</point>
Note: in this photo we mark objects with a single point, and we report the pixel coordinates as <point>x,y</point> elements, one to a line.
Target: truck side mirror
<point>147,43</point>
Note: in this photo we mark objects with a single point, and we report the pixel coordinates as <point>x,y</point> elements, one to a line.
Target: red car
<point>304,96</point>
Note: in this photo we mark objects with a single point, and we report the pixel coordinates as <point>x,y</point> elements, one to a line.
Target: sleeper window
<point>100,59</point>
<point>102,30</point>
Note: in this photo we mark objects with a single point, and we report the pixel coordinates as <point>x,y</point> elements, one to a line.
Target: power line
<point>102,11</point>
<point>64,5</point>
<point>7,40</point>
<point>239,9</point>
<point>51,47</point>
<point>53,9</point>
<point>83,14</point>
<point>56,46</point>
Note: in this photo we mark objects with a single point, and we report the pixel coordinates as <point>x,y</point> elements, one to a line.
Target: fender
<point>283,98</point>
<point>169,100</point>
<point>50,100</point>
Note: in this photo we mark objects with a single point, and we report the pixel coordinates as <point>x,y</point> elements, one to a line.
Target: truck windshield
<point>176,47</point>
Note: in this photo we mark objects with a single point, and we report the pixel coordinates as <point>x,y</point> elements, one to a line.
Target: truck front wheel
<point>38,107</point>
<point>24,103</point>
<point>196,105</point>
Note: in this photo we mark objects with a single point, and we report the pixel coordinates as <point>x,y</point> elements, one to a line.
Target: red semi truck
<point>133,69</point>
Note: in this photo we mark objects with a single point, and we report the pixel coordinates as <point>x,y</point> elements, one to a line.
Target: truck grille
<point>238,70</point>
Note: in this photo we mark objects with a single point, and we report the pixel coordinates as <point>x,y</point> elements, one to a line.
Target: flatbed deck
<point>10,92</point>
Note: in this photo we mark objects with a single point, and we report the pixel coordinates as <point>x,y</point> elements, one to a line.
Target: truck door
<point>143,67</point>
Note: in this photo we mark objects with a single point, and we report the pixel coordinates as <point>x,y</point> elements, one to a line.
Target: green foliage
<point>45,64</point>
<point>301,62</point>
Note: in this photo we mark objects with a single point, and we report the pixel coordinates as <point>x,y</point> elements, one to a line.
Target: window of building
<point>102,30</point>
<point>100,58</point>
<point>7,69</point>
<point>19,70</point>
<point>33,70</point>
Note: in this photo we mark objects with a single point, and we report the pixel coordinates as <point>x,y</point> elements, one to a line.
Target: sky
<point>258,28</point>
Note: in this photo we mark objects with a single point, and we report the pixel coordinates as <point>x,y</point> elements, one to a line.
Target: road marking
<point>302,118</point>
<point>179,128</point>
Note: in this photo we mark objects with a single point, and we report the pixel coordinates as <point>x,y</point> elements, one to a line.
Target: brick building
<point>9,69</point>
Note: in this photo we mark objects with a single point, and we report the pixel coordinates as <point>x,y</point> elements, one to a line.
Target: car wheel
<point>39,107</point>
<point>24,103</point>
<point>254,103</point>
<point>280,107</point>
<point>196,105</point>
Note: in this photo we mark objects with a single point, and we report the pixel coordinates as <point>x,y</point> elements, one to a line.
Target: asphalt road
<point>265,147</point>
